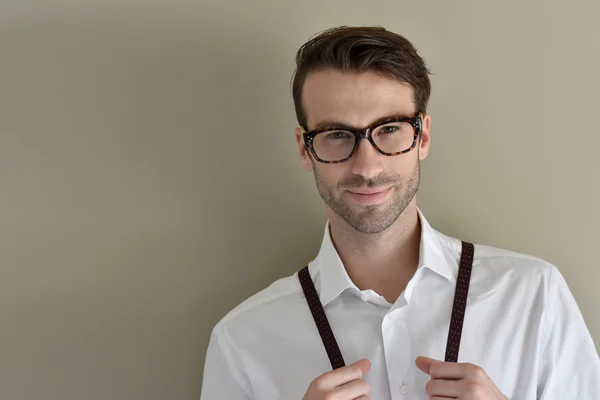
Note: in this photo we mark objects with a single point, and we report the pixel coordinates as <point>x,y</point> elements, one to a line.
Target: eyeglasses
<point>390,137</point>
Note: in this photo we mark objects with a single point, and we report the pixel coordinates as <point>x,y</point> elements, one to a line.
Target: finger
<point>447,370</point>
<point>344,375</point>
<point>425,363</point>
<point>364,365</point>
<point>468,371</point>
<point>441,398</point>
<point>364,398</point>
<point>444,388</point>
<point>352,390</point>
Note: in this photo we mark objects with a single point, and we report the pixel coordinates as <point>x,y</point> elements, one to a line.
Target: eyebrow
<point>328,123</point>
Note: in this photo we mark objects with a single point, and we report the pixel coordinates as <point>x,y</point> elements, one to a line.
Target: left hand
<point>457,381</point>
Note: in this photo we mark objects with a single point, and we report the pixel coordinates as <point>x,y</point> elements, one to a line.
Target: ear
<point>425,142</point>
<point>304,154</point>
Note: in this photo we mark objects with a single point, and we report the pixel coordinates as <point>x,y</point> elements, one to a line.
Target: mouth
<point>370,195</point>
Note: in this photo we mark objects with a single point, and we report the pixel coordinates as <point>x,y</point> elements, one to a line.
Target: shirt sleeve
<point>570,366</point>
<point>222,379</point>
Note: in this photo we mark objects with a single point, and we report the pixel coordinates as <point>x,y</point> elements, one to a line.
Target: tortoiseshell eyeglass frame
<point>366,133</point>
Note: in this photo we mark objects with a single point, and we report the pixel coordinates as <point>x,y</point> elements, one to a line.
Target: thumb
<point>425,363</point>
<point>364,365</point>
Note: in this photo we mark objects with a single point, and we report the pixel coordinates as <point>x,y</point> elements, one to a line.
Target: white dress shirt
<point>522,326</point>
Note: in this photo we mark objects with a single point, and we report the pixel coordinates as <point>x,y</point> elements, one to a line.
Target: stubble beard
<point>370,219</point>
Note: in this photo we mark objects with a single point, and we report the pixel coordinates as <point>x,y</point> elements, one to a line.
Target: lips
<point>370,195</point>
<point>369,191</point>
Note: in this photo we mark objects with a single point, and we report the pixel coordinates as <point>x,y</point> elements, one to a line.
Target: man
<point>415,314</point>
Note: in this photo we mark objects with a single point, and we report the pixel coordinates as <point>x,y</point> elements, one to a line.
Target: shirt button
<point>404,389</point>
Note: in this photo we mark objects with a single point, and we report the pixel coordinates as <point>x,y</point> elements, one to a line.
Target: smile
<point>369,196</point>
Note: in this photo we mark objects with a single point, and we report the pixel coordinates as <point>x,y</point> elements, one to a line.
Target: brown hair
<point>361,49</point>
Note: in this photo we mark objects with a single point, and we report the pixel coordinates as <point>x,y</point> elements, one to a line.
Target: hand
<point>344,383</point>
<point>457,381</point>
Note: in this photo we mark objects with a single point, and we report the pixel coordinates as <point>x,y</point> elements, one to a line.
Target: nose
<point>367,161</point>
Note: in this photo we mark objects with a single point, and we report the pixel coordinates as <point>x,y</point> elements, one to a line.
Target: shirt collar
<point>332,278</point>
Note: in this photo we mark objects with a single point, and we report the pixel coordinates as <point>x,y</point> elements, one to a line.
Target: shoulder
<point>496,268</point>
<point>499,261</point>
<point>508,260</point>
<point>264,310</point>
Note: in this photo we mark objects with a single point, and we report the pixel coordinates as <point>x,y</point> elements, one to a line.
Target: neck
<point>383,262</point>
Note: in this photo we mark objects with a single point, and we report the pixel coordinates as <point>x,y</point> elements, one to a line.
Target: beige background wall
<point>150,182</point>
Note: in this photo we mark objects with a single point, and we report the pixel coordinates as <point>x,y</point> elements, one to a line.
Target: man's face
<point>357,100</point>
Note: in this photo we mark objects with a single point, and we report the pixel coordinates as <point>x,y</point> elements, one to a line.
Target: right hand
<point>344,383</point>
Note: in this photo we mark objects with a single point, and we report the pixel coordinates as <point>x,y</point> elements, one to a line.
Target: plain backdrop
<point>150,180</point>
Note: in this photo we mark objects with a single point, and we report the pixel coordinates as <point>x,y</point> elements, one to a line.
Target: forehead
<point>356,99</point>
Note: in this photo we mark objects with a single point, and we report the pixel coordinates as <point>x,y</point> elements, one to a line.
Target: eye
<point>389,129</point>
<point>338,135</point>
<point>394,129</point>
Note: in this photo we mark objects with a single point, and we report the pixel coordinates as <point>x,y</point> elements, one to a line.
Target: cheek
<point>402,164</point>
<point>331,174</point>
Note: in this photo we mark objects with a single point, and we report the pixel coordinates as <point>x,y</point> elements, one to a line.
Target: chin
<point>371,227</point>
<point>369,219</point>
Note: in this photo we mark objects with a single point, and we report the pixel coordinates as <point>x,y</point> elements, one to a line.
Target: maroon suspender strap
<point>316,308</point>
<point>460,302</point>
<point>456,322</point>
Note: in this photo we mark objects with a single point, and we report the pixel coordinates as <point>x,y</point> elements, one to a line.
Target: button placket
<point>403,389</point>
<point>395,332</point>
